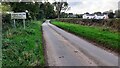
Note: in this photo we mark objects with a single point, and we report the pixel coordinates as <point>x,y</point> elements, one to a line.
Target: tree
<point>5,7</point>
<point>59,6</point>
<point>98,13</point>
<point>36,10</point>
<point>33,8</point>
<point>87,13</point>
<point>79,15</point>
<point>49,10</point>
<point>117,13</point>
<point>46,10</point>
<point>111,15</point>
<point>63,15</point>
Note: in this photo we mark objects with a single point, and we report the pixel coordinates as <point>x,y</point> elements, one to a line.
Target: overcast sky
<point>91,6</point>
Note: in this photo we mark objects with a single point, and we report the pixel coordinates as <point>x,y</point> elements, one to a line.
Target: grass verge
<point>23,47</point>
<point>101,36</point>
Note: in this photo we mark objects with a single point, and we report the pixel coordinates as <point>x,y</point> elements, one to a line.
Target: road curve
<point>66,49</point>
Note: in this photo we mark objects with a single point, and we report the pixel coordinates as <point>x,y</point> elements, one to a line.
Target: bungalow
<point>101,16</point>
<point>88,16</point>
<point>95,16</point>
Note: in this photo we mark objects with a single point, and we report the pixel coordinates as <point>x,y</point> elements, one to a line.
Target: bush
<point>6,21</point>
<point>23,47</point>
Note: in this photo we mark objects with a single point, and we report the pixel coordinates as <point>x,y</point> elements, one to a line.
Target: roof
<point>95,14</point>
<point>100,14</point>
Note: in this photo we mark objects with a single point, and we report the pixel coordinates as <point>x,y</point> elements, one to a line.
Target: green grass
<point>23,47</point>
<point>102,36</point>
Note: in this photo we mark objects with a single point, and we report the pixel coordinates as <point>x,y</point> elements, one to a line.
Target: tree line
<point>38,10</point>
<point>47,10</point>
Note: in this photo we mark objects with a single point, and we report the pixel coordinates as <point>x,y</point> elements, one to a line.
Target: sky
<point>91,6</point>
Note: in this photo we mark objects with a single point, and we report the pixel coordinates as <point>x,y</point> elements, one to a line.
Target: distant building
<point>101,16</point>
<point>88,16</point>
<point>95,16</point>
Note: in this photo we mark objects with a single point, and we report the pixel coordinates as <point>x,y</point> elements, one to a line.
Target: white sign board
<point>21,15</point>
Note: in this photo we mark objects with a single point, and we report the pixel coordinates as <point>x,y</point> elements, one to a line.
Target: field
<point>23,47</point>
<point>101,36</point>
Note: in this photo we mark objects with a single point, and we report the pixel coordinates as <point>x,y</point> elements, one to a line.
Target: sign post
<point>24,23</point>
<point>14,23</point>
<point>21,15</point>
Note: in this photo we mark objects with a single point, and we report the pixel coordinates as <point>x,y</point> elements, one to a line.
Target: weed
<point>23,47</point>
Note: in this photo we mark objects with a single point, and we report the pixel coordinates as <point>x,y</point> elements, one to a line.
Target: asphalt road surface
<point>66,49</point>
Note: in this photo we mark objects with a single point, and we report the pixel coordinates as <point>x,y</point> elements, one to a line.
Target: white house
<point>95,16</point>
<point>88,16</point>
<point>101,16</point>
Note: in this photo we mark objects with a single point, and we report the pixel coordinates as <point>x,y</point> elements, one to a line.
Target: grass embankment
<point>23,47</point>
<point>114,24</point>
<point>102,36</point>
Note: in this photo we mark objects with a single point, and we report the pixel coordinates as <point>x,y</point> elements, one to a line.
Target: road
<point>66,49</point>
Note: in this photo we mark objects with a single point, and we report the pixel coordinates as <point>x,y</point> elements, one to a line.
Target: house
<point>95,16</point>
<point>101,16</point>
<point>88,16</point>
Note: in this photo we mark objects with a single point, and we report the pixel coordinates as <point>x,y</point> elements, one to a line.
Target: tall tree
<point>46,10</point>
<point>98,13</point>
<point>37,10</point>
<point>33,8</point>
<point>49,10</point>
<point>59,6</point>
<point>111,14</point>
<point>117,13</point>
<point>5,7</point>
